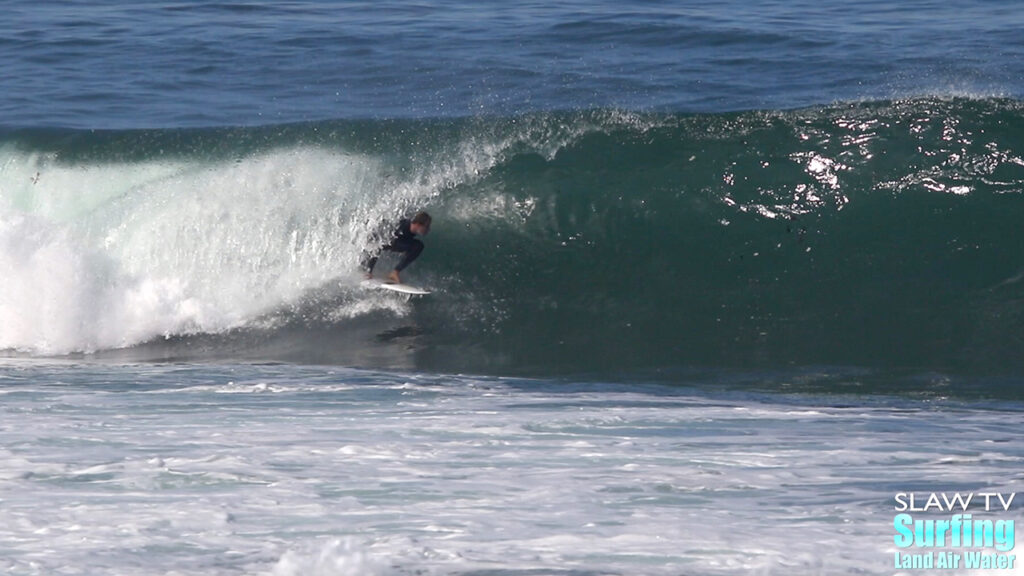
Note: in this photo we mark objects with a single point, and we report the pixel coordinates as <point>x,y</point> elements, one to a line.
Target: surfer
<point>403,239</point>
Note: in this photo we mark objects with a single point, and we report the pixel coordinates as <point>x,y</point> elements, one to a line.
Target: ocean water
<point>715,287</point>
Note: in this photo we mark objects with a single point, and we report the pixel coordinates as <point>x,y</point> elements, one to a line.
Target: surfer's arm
<point>367,265</point>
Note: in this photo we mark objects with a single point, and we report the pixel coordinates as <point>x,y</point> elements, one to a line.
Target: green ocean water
<point>871,234</point>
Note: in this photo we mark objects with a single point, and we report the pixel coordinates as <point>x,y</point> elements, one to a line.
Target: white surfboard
<point>403,288</point>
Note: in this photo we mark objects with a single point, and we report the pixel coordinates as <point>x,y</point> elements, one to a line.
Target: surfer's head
<point>420,224</point>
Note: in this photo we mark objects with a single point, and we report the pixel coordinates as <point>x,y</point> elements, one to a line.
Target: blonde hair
<point>421,218</point>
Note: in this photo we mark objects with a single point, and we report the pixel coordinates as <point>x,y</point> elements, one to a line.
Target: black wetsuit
<point>402,240</point>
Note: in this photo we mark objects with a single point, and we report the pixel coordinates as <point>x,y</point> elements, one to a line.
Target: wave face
<point>863,234</point>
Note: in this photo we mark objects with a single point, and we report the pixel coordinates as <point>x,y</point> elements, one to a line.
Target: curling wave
<point>868,234</point>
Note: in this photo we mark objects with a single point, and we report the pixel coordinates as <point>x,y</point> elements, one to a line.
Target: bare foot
<point>393,277</point>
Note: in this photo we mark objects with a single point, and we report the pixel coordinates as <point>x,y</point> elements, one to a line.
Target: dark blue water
<point>113,64</point>
<point>629,186</point>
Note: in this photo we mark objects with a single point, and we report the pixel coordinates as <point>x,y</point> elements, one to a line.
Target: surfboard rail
<point>400,288</point>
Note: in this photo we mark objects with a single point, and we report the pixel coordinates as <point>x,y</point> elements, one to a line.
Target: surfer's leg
<point>410,250</point>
